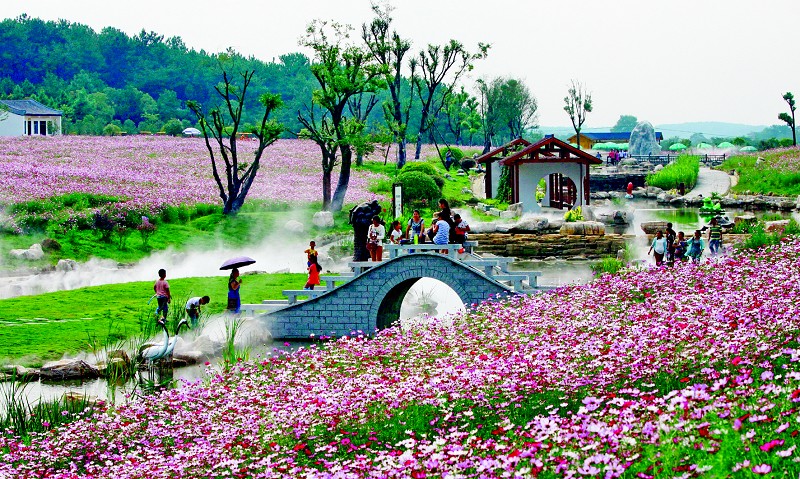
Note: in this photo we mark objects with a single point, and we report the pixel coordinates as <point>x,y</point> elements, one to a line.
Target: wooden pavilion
<point>564,168</point>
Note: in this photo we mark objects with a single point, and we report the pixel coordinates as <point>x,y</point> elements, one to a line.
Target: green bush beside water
<point>683,170</point>
<point>776,174</point>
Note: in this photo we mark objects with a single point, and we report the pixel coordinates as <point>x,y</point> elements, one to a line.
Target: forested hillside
<point>138,83</point>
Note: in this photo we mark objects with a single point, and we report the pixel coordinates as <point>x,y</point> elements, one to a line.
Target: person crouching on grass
<point>193,308</point>
<point>313,273</point>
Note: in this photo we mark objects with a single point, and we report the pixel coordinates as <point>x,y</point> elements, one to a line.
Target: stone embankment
<point>745,202</point>
<point>550,246</point>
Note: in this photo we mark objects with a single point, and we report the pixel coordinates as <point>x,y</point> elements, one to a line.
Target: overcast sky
<point>666,62</point>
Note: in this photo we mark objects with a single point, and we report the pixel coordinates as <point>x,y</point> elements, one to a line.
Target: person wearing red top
<point>313,273</point>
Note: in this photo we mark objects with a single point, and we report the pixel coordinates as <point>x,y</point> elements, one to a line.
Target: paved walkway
<point>710,181</point>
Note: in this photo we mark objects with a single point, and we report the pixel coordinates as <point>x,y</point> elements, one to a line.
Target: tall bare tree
<point>221,127</point>
<point>578,103</point>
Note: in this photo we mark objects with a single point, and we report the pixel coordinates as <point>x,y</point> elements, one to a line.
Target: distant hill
<point>709,129</point>
<point>682,130</point>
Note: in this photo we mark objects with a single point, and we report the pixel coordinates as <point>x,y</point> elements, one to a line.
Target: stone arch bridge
<point>371,300</point>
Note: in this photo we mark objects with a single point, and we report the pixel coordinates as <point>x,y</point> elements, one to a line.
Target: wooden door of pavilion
<point>563,191</point>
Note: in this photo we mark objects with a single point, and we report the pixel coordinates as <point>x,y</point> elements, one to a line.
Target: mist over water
<point>278,253</point>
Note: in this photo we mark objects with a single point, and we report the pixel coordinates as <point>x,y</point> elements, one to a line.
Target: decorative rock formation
<point>323,219</point>
<point>361,217</point>
<point>583,228</point>
<point>652,227</point>
<point>33,253</point>
<point>294,226</point>
<point>643,140</point>
<point>68,369</point>
<point>66,265</point>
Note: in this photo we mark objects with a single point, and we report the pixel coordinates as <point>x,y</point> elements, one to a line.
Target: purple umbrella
<point>237,262</point>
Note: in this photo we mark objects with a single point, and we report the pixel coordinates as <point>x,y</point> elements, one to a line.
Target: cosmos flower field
<point>684,372</point>
<point>149,172</point>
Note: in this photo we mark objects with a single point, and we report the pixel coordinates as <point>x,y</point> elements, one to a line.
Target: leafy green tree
<point>221,124</point>
<point>789,120</point>
<point>625,123</point>
<point>342,71</point>
<point>173,127</point>
<point>441,66</point>
<point>578,103</point>
<point>518,107</point>
<point>112,130</point>
<point>388,49</point>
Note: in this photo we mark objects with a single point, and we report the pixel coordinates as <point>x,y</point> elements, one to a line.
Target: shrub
<point>467,164</point>
<point>422,167</point>
<point>427,169</point>
<point>682,170</point>
<point>455,152</point>
<point>112,130</point>
<point>173,127</point>
<point>104,225</point>
<point>575,214</point>
<point>417,186</point>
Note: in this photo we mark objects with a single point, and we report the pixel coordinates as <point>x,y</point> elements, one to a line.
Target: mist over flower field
<point>689,371</point>
<point>150,172</point>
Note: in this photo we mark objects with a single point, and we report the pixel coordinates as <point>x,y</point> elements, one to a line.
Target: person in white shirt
<point>375,235</point>
<point>397,233</point>
<point>193,308</point>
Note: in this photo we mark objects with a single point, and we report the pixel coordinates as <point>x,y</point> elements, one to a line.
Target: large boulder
<point>323,219</point>
<point>643,140</point>
<point>68,369</point>
<point>66,265</point>
<point>529,224</point>
<point>33,253</point>
<point>294,226</point>
<point>583,228</point>
<point>653,227</point>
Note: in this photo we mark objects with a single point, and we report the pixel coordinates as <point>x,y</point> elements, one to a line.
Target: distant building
<point>28,117</point>
<point>589,139</point>
<point>564,168</point>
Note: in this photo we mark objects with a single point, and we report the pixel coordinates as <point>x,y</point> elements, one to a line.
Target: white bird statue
<point>154,352</point>
<point>173,340</point>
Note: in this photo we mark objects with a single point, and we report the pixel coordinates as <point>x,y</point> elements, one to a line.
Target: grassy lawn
<point>778,173</point>
<point>44,327</point>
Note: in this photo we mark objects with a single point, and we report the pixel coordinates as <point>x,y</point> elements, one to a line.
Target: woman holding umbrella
<point>234,300</point>
<point>234,281</point>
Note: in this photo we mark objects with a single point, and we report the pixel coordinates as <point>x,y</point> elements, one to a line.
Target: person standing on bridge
<point>375,235</point>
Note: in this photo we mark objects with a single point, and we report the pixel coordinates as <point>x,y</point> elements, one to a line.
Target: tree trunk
<point>578,141</point>
<point>359,159</point>
<point>326,190</point>
<point>419,146</point>
<point>401,153</point>
<point>344,179</point>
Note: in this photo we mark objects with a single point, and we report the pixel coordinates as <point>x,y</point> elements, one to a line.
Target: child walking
<point>161,289</point>
<point>313,273</point>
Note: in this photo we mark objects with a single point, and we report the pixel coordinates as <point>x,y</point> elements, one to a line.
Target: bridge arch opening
<point>416,297</point>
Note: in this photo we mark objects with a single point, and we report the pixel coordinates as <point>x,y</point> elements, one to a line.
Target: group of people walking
<point>675,247</point>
